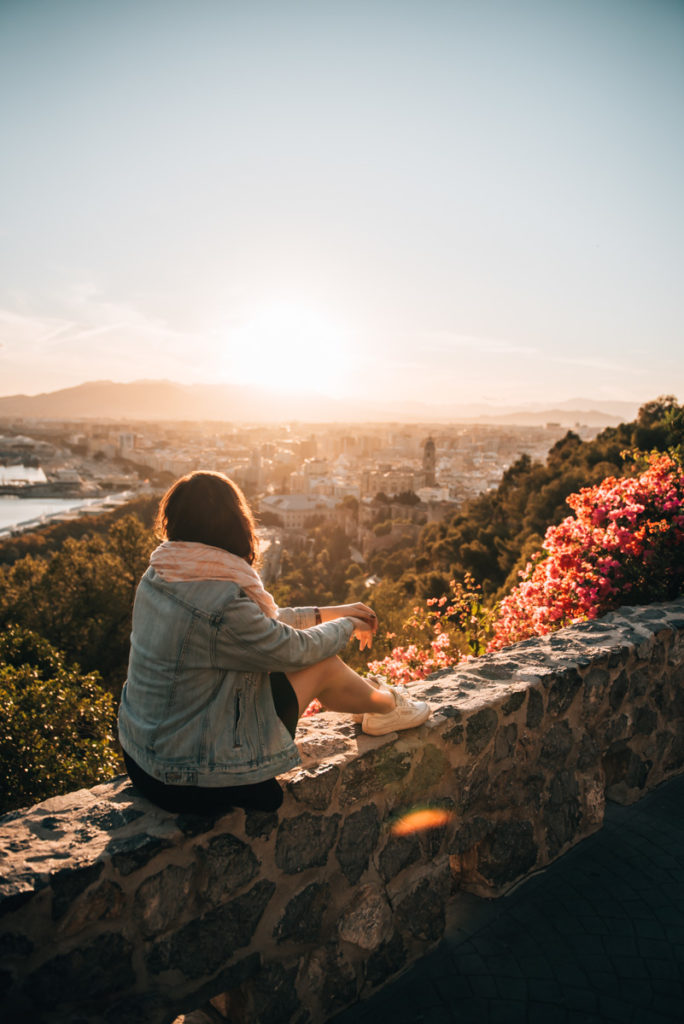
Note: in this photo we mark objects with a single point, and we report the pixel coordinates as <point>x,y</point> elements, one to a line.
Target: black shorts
<point>259,796</point>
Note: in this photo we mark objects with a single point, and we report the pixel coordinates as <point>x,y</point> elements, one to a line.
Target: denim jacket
<point>196,708</point>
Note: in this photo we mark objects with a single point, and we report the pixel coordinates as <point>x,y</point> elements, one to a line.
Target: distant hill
<point>168,400</point>
<point>566,418</point>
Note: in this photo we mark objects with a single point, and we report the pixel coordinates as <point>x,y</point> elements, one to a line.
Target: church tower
<point>429,462</point>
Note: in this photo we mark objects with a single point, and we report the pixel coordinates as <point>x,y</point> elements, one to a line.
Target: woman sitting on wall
<point>218,675</point>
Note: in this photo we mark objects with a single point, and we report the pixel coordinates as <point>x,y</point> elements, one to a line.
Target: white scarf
<point>179,561</point>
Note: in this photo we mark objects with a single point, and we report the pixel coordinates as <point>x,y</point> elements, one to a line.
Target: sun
<point>287,347</point>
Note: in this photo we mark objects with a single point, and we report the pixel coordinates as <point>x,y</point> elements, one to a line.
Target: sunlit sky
<point>474,200</point>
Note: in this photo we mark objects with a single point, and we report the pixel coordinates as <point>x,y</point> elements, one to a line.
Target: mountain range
<point>167,400</point>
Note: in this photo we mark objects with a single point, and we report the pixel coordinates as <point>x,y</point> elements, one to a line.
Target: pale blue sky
<point>461,200</point>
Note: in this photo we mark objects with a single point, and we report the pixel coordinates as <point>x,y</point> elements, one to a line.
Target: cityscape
<point>295,475</point>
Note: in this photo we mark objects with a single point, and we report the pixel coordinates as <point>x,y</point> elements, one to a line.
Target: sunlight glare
<point>288,348</point>
<point>419,820</point>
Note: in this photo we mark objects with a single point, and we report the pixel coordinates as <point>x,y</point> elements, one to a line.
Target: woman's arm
<point>247,640</point>
<point>305,618</point>
<point>355,611</point>
<point>365,617</point>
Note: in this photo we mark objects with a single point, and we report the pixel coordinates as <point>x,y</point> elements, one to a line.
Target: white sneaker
<point>407,714</point>
<point>380,683</point>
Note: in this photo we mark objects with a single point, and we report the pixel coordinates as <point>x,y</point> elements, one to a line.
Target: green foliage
<point>56,724</point>
<point>406,498</point>
<point>316,572</point>
<point>80,597</point>
<point>383,529</point>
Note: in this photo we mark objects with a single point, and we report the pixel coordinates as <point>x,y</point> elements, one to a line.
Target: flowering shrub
<point>438,635</point>
<point>624,543</point>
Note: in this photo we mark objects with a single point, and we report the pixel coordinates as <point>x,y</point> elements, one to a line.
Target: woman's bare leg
<point>339,688</point>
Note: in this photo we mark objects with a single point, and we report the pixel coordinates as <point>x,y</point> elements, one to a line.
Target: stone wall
<point>114,911</point>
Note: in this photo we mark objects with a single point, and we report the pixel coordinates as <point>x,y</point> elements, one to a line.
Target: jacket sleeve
<point>247,640</point>
<point>300,618</point>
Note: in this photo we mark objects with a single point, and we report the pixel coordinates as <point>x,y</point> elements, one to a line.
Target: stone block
<point>625,773</point>
<point>386,961</point>
<point>431,769</point>
<point>504,744</point>
<point>358,839</point>
<point>303,915</point>
<point>556,744</point>
<point>260,824</point>
<point>473,792</point>
<point>420,913</point>
<point>305,841</point>
<point>269,996</point>
<point>510,789</point>
<point>84,975</point>
<point>513,703</point>
<point>470,834</point>
<point>564,688</point>
<point>638,684</point>
<point>562,812</point>
<point>431,840</point>
<point>227,864</point>
<point>196,824</point>
<point>589,753</point>
<point>645,721</point>
<point>373,772</point>
<point>104,902</point>
<point>618,690</point>
<point>398,853</point>
<point>366,921</point>
<point>507,853</point>
<point>227,981</point>
<point>162,898</point>
<point>69,883</point>
<point>328,978</point>
<point>202,946</point>
<point>15,893</point>
<point>315,787</point>
<point>479,730</point>
<point>134,852</point>
<point>455,735</point>
<point>675,756</point>
<point>596,682</point>
<point>616,728</point>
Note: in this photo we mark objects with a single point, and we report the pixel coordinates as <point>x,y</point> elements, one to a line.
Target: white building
<point>295,510</point>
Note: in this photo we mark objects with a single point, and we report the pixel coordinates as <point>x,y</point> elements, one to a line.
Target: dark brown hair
<point>208,508</point>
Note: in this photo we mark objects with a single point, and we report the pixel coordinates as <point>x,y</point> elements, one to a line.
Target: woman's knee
<point>319,670</point>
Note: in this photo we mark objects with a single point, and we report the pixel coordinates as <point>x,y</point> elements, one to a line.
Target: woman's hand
<point>363,631</point>
<point>353,611</point>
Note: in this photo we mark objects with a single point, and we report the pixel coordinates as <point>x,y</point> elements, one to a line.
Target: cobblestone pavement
<point>598,936</point>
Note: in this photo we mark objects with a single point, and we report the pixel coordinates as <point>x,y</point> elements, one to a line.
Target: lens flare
<point>419,820</point>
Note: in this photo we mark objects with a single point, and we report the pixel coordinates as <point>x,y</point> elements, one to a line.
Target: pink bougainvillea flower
<point>623,541</point>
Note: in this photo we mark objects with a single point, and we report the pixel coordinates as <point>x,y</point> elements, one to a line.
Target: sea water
<point>16,511</point>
